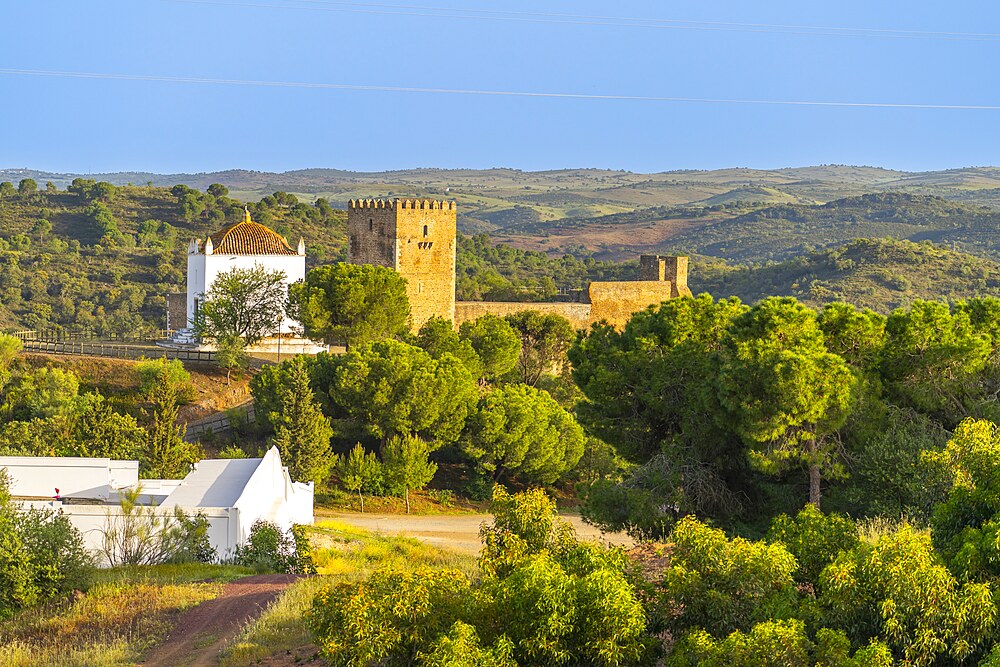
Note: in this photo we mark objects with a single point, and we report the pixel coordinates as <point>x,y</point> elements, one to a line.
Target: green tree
<point>231,354</point>
<point>437,337</point>
<point>27,186</point>
<point>351,303</point>
<point>165,455</point>
<point>100,431</point>
<point>858,336</point>
<point>359,471</point>
<point>966,526</point>
<point>545,340</point>
<point>301,431</point>
<point>10,347</point>
<point>41,228</point>
<point>934,360</point>
<point>406,465</point>
<point>43,392</point>
<point>218,190</point>
<point>496,343</point>
<point>392,388</point>
<point>521,431</point>
<point>786,393</point>
<point>651,392</point>
<point>6,190</point>
<point>244,303</point>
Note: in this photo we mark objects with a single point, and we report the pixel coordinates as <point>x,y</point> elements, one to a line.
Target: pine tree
<point>406,464</point>
<point>301,431</point>
<point>166,455</point>
<point>358,471</point>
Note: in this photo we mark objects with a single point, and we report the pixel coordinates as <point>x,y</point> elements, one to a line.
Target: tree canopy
<point>351,303</point>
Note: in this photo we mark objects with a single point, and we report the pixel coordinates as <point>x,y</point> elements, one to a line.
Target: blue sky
<point>90,125</point>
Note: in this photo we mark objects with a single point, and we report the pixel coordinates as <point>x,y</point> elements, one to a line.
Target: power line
<point>491,93</point>
<point>599,20</point>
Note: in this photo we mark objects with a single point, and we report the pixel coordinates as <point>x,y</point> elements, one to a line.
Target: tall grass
<point>341,553</point>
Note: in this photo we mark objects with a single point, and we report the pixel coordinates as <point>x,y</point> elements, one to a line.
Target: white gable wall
<point>270,495</point>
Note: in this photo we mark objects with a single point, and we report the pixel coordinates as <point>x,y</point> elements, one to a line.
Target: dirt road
<point>458,531</point>
<point>201,632</point>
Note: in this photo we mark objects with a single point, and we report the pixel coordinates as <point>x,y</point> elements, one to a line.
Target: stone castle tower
<point>417,239</point>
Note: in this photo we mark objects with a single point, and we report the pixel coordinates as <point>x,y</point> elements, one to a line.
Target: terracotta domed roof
<point>249,238</point>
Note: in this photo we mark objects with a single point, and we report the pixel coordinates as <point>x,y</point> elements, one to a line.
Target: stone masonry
<point>417,239</point>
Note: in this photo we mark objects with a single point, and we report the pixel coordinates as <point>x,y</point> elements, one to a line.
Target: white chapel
<point>243,245</point>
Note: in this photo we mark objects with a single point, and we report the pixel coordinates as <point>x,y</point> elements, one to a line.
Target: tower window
<point>371,225</point>
<point>425,231</point>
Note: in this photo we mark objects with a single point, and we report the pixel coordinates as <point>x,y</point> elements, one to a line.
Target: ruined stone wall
<point>176,315</point>
<point>616,302</point>
<point>577,313</point>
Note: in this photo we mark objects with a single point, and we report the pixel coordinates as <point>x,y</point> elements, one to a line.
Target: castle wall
<point>612,302</point>
<point>577,313</point>
<point>616,302</point>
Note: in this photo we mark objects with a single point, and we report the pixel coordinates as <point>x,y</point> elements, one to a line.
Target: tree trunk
<point>813,474</point>
<point>362,497</point>
<point>406,497</point>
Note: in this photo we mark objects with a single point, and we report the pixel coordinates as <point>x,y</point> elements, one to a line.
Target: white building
<point>243,245</point>
<point>232,493</point>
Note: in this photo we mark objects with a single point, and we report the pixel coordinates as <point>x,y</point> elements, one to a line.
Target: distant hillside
<point>490,199</point>
<point>741,232</point>
<point>881,274</point>
<point>779,232</point>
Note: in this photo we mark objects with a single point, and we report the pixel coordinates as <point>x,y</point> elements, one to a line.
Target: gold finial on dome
<point>246,214</point>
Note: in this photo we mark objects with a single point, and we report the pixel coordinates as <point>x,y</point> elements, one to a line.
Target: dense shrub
<point>389,618</point>
<point>172,371</point>
<point>814,539</point>
<point>271,549</point>
<point>543,599</point>
<point>724,585</point>
<point>776,644</point>
<point>41,555</point>
<point>897,590</point>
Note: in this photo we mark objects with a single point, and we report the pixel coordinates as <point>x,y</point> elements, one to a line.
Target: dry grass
<point>127,610</point>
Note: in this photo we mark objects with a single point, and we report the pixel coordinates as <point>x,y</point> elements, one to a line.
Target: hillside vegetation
<point>490,199</point>
<point>881,274</point>
<point>102,258</point>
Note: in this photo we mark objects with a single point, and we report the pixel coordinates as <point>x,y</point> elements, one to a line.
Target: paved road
<point>458,531</point>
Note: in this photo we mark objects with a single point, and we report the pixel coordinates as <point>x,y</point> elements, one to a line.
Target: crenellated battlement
<point>395,204</point>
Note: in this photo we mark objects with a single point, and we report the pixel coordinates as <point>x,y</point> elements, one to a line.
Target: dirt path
<point>457,531</point>
<point>201,632</point>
